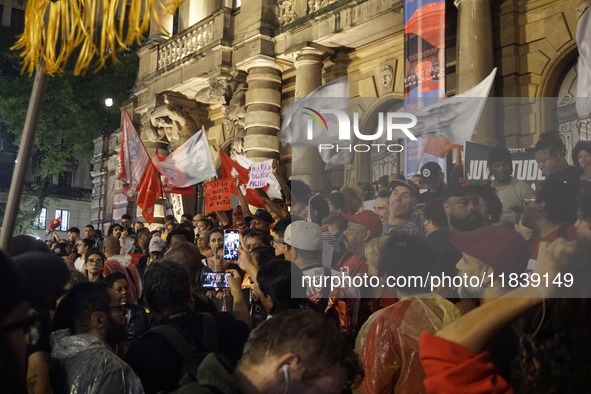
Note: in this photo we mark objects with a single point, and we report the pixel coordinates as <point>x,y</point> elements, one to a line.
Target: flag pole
<point>22,159</point>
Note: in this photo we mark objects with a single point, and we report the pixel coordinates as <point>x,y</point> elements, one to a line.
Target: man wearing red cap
<point>488,252</point>
<point>362,228</point>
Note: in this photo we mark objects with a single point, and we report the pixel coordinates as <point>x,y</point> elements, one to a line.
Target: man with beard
<point>89,323</point>
<point>462,207</point>
<point>511,191</point>
<point>488,252</point>
<point>362,228</point>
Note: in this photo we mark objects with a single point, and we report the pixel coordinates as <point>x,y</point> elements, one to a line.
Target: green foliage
<point>73,111</point>
<point>72,115</point>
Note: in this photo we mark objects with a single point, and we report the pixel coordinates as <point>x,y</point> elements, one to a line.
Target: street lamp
<point>108,105</point>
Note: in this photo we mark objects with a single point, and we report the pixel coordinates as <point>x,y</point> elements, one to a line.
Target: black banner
<point>525,167</point>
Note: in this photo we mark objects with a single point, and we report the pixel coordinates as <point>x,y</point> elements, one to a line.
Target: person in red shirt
<point>454,359</point>
<point>362,228</point>
<point>551,214</point>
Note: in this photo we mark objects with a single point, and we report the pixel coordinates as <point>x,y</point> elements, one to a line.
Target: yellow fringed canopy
<point>54,29</point>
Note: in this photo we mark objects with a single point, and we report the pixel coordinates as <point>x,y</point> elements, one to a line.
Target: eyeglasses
<point>528,200</point>
<point>97,262</point>
<point>122,307</point>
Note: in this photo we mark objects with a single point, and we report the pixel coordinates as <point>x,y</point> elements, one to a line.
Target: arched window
<point>571,128</point>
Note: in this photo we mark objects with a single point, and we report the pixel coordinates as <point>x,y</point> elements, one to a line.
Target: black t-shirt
<point>429,196</point>
<point>159,366</point>
<point>570,175</point>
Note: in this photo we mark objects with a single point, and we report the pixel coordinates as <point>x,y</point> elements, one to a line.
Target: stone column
<point>306,164</point>
<point>193,11</point>
<point>263,105</point>
<point>166,21</point>
<point>475,58</point>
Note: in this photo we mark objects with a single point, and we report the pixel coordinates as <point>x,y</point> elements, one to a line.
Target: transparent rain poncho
<point>388,343</point>
<point>84,364</point>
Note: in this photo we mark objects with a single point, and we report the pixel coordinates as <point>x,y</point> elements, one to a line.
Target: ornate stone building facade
<point>231,66</point>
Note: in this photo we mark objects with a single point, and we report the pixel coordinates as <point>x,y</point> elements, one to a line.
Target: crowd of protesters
<point>169,309</point>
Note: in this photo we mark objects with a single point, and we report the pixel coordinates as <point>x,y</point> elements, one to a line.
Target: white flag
<point>333,95</point>
<point>583,100</point>
<point>454,118</point>
<point>188,164</point>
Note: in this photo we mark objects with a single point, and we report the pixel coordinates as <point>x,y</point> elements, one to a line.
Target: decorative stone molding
<point>287,12</point>
<point>315,5</point>
<point>217,92</point>
<point>192,41</point>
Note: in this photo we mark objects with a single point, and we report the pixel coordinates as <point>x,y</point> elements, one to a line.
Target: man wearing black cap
<point>432,175</point>
<point>462,207</point>
<point>511,191</point>
<point>261,220</point>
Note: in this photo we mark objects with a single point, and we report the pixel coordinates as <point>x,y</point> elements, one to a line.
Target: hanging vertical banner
<point>424,74</point>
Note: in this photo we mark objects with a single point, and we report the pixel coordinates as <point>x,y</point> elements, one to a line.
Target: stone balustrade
<point>186,43</point>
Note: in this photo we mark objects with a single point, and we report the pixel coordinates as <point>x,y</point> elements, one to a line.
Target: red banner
<point>424,74</point>
<point>149,190</point>
<point>218,195</point>
<point>231,169</point>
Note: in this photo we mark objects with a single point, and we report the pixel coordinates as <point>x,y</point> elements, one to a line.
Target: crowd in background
<point>170,309</point>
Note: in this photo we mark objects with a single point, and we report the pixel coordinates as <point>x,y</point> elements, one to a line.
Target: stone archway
<point>571,128</point>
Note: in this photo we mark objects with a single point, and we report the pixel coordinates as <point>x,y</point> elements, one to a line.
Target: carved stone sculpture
<point>174,123</point>
<point>386,75</point>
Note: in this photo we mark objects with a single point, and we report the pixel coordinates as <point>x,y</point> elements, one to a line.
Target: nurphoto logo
<point>395,124</point>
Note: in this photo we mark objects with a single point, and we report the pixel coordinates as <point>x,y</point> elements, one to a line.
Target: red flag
<point>133,158</point>
<point>439,146</point>
<point>231,169</point>
<point>149,191</point>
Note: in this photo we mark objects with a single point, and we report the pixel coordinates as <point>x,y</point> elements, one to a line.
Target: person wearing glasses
<point>89,322</point>
<point>94,264</point>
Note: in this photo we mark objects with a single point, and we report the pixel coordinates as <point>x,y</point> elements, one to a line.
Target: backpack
<point>191,355</point>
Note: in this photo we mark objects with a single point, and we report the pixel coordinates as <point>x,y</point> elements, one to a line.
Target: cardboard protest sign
<point>217,195</point>
<point>259,174</point>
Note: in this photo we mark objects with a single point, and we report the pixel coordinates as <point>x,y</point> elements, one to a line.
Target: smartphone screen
<point>231,244</point>
<point>215,280</point>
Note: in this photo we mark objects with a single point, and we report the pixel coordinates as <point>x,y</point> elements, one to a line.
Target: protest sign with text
<point>217,195</point>
<point>259,174</point>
